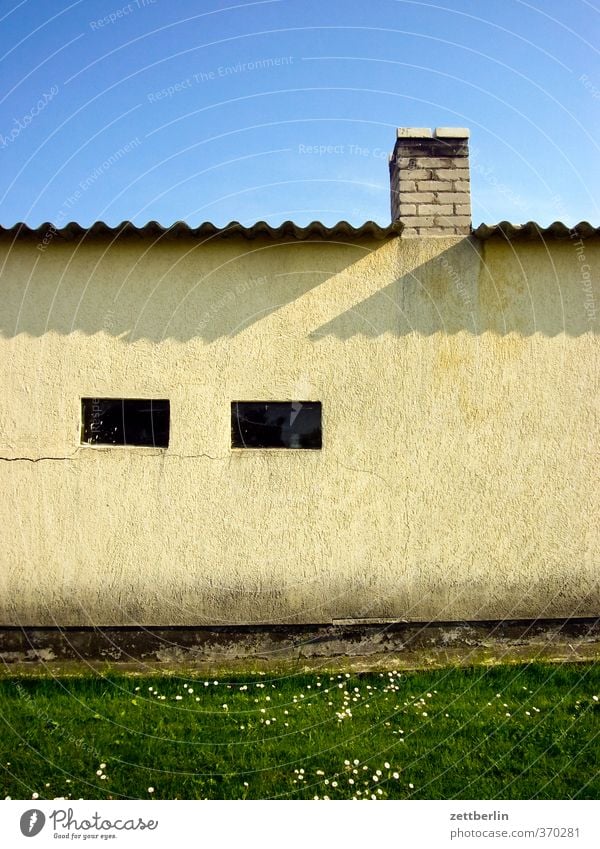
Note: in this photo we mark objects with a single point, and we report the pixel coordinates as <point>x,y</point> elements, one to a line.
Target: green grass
<point>506,732</point>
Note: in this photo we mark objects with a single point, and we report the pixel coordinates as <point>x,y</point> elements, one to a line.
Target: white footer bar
<point>300,824</point>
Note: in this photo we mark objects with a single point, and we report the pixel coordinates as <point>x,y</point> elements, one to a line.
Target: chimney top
<point>429,181</point>
<point>437,133</point>
<point>451,133</point>
<point>413,133</point>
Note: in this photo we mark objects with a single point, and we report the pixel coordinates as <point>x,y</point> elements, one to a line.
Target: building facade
<point>452,375</point>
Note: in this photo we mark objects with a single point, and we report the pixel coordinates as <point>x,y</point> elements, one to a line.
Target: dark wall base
<point>221,644</point>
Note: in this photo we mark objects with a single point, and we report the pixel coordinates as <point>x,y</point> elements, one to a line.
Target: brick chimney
<point>429,181</point>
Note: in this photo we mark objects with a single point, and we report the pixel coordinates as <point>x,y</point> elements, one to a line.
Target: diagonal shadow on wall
<point>180,290</point>
<point>479,287</point>
<point>185,291</point>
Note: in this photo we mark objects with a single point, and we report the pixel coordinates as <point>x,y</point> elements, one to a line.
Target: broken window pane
<point>125,421</point>
<point>276,424</point>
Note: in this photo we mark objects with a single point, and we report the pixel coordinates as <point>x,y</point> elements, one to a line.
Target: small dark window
<point>275,424</point>
<point>125,421</point>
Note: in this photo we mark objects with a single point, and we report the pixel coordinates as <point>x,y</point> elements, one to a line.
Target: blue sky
<point>282,109</point>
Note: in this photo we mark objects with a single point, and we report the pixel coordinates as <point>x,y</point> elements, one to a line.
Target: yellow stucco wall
<point>458,476</point>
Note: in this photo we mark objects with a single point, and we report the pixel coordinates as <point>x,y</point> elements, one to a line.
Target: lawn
<point>505,732</point>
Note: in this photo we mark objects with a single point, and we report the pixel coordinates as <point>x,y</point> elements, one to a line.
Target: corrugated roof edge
<point>342,231</point>
<point>207,231</point>
<point>532,230</point>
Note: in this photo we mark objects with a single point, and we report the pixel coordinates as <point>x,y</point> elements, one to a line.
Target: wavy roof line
<point>180,230</point>
<point>342,231</point>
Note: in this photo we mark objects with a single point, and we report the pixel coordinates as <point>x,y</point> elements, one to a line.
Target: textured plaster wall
<point>457,480</point>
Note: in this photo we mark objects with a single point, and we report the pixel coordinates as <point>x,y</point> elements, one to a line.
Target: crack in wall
<point>70,457</point>
<point>34,459</point>
<point>367,472</point>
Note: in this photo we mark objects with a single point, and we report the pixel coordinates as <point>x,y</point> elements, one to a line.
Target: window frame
<point>236,446</point>
<point>85,426</point>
